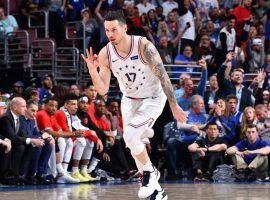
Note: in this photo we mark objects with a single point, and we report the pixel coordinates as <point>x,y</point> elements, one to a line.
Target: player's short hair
<point>115,15</point>
<point>70,97</point>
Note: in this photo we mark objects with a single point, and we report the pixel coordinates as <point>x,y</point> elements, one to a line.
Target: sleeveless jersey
<point>134,76</point>
<point>231,39</point>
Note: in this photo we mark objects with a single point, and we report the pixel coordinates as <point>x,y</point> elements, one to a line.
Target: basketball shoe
<point>159,195</point>
<point>149,183</point>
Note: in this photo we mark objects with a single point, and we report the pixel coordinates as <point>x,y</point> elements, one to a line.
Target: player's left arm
<point>152,57</point>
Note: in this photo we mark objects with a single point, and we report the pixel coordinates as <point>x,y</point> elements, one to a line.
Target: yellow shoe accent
<point>86,175</point>
<point>77,175</point>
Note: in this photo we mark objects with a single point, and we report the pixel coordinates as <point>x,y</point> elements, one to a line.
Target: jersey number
<point>131,76</point>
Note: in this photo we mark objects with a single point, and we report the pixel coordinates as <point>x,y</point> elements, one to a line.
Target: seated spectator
<point>46,90</point>
<point>207,52</point>
<point>177,147</point>
<point>11,127</point>
<point>17,89</point>
<point>8,23</point>
<point>256,55</point>
<point>225,120</point>
<point>189,89</point>
<point>263,122</point>
<point>144,7</point>
<point>249,117</point>
<point>163,30</point>
<point>250,156</point>
<point>185,59</point>
<point>207,153</point>
<point>180,91</point>
<point>89,24</point>
<point>232,102</point>
<point>31,93</point>
<point>75,89</point>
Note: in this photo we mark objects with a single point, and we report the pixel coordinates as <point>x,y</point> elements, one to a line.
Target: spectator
<point>180,91</point>
<point>46,90</point>
<point>234,86</point>
<point>172,23</point>
<point>263,122</point>
<point>144,7</point>
<point>205,6</point>
<point>168,5</point>
<point>226,40</point>
<point>207,153</point>
<point>8,23</point>
<point>232,102</point>
<point>256,55</point>
<point>75,90</point>
<point>205,50</point>
<point>185,59</point>
<point>74,9</point>
<point>163,30</point>
<point>189,90</point>
<point>11,127</point>
<point>165,49</point>
<point>17,89</point>
<point>249,117</point>
<point>57,14</point>
<point>250,156</point>
<point>177,147</point>
<point>225,120</point>
<point>210,94</point>
<point>91,93</point>
<point>31,93</point>
<point>242,13</point>
<point>89,24</point>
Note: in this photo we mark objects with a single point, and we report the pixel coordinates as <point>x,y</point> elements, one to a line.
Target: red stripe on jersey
<point>141,124</point>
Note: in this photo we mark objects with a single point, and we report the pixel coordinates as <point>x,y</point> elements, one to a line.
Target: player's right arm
<point>101,79</point>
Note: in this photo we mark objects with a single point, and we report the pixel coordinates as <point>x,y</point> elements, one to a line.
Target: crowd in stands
<point>67,131</point>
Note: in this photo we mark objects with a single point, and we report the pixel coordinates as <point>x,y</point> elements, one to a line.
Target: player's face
<point>115,31</point>
<point>72,106</point>
<point>83,106</point>
<point>51,107</point>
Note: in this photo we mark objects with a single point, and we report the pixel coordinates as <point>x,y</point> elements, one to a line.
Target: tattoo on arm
<point>152,57</point>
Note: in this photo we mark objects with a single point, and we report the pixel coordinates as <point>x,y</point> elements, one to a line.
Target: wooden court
<point>128,191</point>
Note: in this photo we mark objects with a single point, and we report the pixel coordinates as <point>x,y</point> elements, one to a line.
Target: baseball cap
<point>257,41</point>
<point>85,10</point>
<point>19,84</point>
<point>45,76</point>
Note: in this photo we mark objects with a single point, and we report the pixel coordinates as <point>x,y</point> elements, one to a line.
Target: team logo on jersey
<point>134,57</point>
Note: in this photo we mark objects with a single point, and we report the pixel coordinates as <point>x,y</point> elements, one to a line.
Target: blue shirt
<point>43,94</point>
<point>245,145</point>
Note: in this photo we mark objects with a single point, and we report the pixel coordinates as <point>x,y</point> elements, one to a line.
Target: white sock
<point>65,167</point>
<point>60,169</point>
<point>83,168</point>
<point>74,169</point>
<point>148,166</point>
<point>93,164</point>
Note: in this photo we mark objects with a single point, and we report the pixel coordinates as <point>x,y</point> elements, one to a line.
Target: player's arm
<point>101,78</point>
<point>153,59</point>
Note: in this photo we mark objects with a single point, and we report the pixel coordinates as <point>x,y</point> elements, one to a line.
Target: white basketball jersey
<point>135,77</point>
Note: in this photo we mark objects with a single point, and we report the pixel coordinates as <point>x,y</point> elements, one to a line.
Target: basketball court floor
<point>128,191</point>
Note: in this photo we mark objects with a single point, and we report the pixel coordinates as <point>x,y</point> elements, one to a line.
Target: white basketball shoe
<point>149,183</point>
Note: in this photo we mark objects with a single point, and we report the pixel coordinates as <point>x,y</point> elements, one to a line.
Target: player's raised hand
<point>90,59</point>
<point>179,114</point>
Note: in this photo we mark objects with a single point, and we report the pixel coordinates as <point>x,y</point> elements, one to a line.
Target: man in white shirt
<point>168,6</point>
<point>144,7</point>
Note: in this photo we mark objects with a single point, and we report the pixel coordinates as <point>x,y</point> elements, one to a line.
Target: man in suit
<point>22,145</point>
<point>233,85</point>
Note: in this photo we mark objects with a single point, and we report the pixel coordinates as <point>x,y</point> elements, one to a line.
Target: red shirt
<point>242,14</point>
<point>46,121</point>
<point>100,123</point>
<point>91,108</point>
<point>62,120</point>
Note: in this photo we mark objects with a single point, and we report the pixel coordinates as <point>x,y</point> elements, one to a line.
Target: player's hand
<point>106,157</point>
<point>7,145</point>
<point>179,114</point>
<point>91,59</point>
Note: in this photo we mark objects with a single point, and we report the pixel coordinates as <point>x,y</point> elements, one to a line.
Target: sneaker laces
<point>146,177</point>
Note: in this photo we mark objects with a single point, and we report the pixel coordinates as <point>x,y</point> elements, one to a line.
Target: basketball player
<point>142,78</point>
